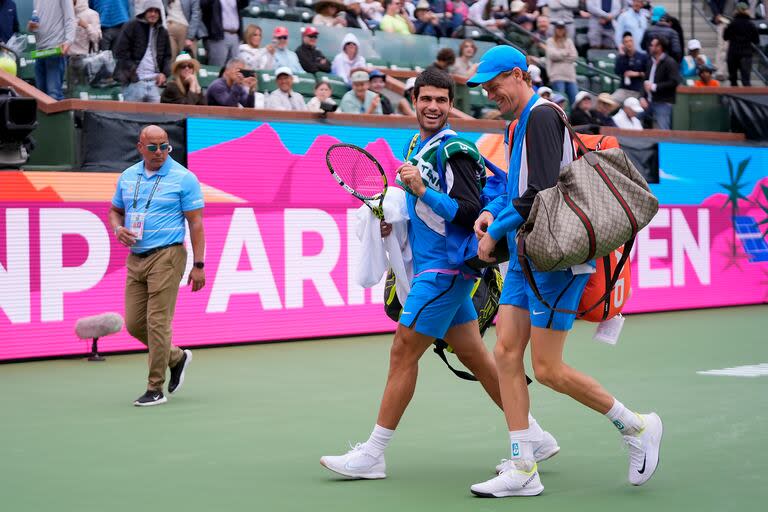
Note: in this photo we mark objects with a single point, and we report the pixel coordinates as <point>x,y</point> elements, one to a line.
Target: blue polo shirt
<point>178,192</point>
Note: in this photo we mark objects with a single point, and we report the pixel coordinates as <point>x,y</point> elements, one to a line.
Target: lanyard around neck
<point>151,194</point>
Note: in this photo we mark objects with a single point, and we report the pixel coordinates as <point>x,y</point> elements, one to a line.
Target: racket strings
<point>357,170</point>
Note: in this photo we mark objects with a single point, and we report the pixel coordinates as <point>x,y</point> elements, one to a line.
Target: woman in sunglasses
<point>184,89</point>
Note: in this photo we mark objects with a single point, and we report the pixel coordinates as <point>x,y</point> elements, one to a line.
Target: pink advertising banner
<point>281,250</point>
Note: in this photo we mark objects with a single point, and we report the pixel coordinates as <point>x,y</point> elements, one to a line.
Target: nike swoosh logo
<point>406,312</point>
<point>539,312</point>
<point>642,469</point>
<point>157,397</point>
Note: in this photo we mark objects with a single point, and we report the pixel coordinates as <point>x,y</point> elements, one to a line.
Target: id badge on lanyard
<point>136,219</point>
<point>136,224</point>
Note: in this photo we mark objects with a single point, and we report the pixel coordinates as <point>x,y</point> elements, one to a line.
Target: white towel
<point>377,254</point>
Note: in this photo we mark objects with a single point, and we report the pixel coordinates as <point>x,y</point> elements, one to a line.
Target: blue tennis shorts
<point>437,302</point>
<point>560,289</point>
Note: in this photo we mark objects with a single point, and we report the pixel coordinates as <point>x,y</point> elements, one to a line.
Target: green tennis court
<point>249,427</point>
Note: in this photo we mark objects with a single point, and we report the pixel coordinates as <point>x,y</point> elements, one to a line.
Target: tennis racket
<point>360,174</point>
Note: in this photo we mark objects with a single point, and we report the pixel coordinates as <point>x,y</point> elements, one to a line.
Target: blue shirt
<point>112,13</point>
<point>178,192</point>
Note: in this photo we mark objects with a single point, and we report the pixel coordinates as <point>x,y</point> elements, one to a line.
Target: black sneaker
<point>177,373</point>
<point>150,398</point>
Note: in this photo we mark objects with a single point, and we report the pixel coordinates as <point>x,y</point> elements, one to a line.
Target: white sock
<point>377,443</point>
<point>628,422</point>
<point>535,428</point>
<point>521,448</point>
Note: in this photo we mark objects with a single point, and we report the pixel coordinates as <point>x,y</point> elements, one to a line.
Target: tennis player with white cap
<point>540,146</point>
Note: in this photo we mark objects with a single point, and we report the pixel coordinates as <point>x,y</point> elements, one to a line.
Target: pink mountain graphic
<point>272,175</point>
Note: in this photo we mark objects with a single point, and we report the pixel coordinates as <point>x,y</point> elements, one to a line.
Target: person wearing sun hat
<point>626,118</point>
<point>184,88</point>
<point>328,13</point>
<point>539,147</point>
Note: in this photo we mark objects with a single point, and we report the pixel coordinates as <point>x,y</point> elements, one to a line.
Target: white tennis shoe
<point>644,449</point>
<point>510,482</point>
<point>543,450</point>
<point>356,463</point>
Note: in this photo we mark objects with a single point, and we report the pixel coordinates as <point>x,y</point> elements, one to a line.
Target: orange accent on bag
<point>596,287</point>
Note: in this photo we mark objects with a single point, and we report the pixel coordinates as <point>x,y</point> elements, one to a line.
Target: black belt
<point>232,31</point>
<point>150,252</point>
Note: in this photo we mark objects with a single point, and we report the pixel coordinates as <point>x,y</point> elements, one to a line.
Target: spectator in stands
<point>378,82</point>
<point>9,20</point>
<point>661,28</point>
<point>322,95</point>
<point>196,30</point>
<point>562,10</point>
<point>694,60</point>
<point>483,13</point>
<point>222,21</point>
<point>522,39</point>
<point>561,57</point>
<point>177,25</point>
<point>327,13</point>
<point>705,77</point>
<point>284,97</point>
<point>626,118</point>
<point>606,106</point>
<point>113,14</point>
<point>741,34</point>
<point>143,55</point>
<point>631,66</point>
<point>310,58</point>
<point>396,18</point>
<point>661,86</point>
<point>445,58</point>
<point>542,28</point>
<point>361,100</point>
<point>544,92</point>
<point>427,23</point>
<point>535,72</point>
<point>355,16</point>
<point>348,58</point>
<point>559,100</point>
<point>284,57</point>
<point>55,30</point>
<point>717,7</point>
<point>184,89</point>
<point>601,28</point>
<point>581,110</point>
<point>464,65</point>
<point>457,8</point>
<point>632,20</point>
<point>232,88</point>
<point>88,30</point>
<point>374,10</point>
<point>251,52</point>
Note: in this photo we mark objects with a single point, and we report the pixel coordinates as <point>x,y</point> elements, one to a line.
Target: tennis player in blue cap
<point>539,147</point>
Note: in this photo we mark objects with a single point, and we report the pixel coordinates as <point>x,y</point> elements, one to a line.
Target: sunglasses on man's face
<point>154,147</point>
<point>281,38</point>
<point>313,36</point>
<point>186,66</point>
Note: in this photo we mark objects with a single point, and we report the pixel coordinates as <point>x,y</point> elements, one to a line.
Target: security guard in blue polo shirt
<point>151,203</point>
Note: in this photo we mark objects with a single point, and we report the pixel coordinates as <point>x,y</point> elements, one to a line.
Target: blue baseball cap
<point>657,13</point>
<point>495,61</point>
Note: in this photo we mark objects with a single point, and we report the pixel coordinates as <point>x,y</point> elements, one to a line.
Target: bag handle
<point>525,265</point>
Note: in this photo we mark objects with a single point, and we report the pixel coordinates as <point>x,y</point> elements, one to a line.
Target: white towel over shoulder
<point>378,254</point>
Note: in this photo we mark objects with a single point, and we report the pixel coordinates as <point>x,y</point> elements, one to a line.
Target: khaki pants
<point>178,35</point>
<point>151,289</point>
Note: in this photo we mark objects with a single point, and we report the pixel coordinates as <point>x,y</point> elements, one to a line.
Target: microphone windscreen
<point>98,326</point>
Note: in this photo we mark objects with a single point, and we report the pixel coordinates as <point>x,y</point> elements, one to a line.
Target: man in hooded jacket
<point>143,55</point>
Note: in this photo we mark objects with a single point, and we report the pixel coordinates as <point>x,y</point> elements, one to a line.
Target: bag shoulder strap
<point>581,147</point>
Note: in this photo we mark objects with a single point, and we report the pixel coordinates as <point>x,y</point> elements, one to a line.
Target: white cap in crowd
<point>633,104</point>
